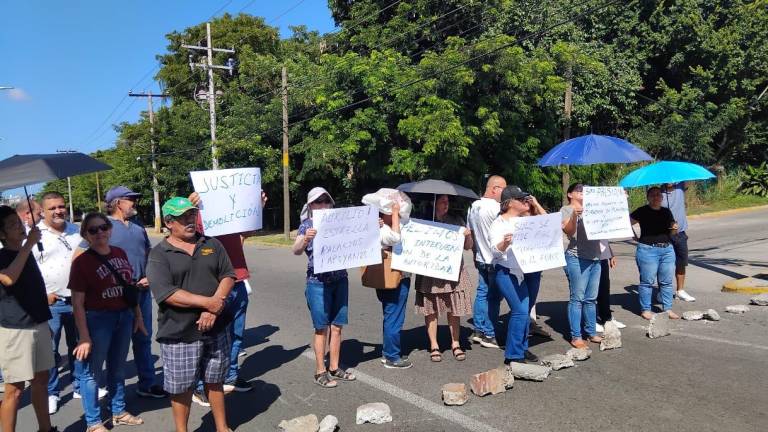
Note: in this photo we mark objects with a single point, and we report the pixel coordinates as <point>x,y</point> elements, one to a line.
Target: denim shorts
<point>327,302</point>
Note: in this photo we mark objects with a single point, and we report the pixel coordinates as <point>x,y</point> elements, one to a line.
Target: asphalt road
<point>705,376</point>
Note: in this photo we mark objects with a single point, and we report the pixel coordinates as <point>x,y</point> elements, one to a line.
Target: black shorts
<point>680,243</point>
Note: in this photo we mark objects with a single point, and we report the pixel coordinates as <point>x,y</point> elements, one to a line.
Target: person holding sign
<point>393,206</point>
<point>509,277</point>
<point>327,296</point>
<point>435,296</point>
<point>655,255</point>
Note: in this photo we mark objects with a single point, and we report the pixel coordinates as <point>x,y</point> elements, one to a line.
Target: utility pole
<point>155,185</point>
<point>568,106</point>
<point>98,193</point>
<point>286,169</point>
<point>211,95</point>
<point>69,190</point>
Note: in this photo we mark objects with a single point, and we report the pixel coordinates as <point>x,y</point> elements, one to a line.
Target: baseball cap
<point>120,192</point>
<point>513,192</point>
<point>177,206</point>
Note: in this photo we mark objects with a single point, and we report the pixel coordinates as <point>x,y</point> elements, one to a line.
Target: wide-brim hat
<point>313,195</point>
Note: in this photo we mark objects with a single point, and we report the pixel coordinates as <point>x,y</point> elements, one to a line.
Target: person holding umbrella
<point>655,255</point>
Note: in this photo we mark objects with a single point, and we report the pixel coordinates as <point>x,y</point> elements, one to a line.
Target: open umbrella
<point>593,149</point>
<point>665,172</point>
<point>435,188</point>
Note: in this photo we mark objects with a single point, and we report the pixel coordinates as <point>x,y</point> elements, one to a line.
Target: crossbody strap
<point>106,262</point>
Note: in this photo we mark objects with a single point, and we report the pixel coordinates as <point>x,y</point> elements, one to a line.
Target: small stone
<point>328,424</point>
<point>693,315</point>
<point>737,309</point>
<point>579,354</point>
<point>557,361</point>
<point>490,382</point>
<point>509,379</point>
<point>376,413</point>
<point>611,336</point>
<point>659,326</point>
<point>455,394</point>
<point>307,423</point>
<point>530,372</point>
<point>711,315</point>
<point>760,300</point>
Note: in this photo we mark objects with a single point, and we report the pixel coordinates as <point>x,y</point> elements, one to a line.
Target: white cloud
<point>18,94</point>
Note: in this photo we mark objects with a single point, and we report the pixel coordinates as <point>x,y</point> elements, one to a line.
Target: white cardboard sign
<point>230,200</point>
<point>537,242</point>
<point>346,238</point>
<point>606,213</point>
<point>430,249</point>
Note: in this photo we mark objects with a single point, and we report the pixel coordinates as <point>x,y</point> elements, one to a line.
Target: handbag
<point>130,291</point>
<point>381,276</point>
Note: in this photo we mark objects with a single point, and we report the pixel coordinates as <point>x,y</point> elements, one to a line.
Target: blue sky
<point>73,62</point>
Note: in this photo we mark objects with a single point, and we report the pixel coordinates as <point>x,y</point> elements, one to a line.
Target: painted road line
<point>712,339</point>
<point>430,407</point>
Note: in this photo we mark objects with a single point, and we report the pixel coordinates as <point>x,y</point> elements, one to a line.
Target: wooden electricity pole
<point>286,169</point>
<point>568,106</point>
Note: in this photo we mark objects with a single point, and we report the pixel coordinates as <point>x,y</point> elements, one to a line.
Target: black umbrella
<point>437,187</point>
<point>23,170</point>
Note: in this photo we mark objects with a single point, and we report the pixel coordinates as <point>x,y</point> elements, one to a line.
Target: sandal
<point>595,339</point>
<point>324,380</point>
<point>342,374</point>
<point>578,343</point>
<point>435,356</point>
<point>127,419</point>
<point>97,428</point>
<point>458,354</point>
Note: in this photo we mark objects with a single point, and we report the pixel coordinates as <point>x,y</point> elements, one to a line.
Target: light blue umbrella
<point>665,172</point>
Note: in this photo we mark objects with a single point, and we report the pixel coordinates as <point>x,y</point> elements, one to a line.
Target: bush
<point>755,180</point>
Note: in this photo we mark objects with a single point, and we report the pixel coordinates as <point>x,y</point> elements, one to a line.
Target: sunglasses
<point>322,201</point>
<point>103,227</point>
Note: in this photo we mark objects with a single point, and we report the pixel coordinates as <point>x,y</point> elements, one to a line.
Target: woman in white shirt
<point>509,277</point>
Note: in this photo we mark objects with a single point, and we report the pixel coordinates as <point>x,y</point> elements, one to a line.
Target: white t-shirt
<point>480,216</point>
<point>506,258</point>
<point>55,260</point>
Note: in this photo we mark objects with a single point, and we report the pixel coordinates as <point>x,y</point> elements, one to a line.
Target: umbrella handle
<point>32,215</point>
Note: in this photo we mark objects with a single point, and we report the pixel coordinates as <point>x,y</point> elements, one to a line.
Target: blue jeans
<point>110,335</point>
<point>237,304</point>
<point>142,345</point>
<point>393,309</point>
<point>62,319</point>
<point>486,297</point>
<point>655,264</point>
<point>583,284</point>
<point>520,297</point>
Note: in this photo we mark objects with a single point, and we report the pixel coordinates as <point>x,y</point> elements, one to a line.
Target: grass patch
<point>272,239</point>
<point>739,201</point>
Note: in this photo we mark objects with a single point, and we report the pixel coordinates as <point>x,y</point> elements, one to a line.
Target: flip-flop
<point>435,356</point>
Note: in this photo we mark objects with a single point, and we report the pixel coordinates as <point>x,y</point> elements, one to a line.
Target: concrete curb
<point>748,285</point>
<point>728,212</point>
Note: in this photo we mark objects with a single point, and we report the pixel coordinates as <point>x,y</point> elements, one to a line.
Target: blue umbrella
<point>593,149</point>
<point>665,172</point>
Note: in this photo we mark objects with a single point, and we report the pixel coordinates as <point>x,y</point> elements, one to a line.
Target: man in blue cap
<point>129,235</point>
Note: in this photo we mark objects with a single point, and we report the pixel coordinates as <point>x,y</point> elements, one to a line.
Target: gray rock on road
<point>711,315</point>
<point>509,379</point>
<point>557,361</point>
<point>376,413</point>
<point>659,326</point>
<point>611,336</point>
<point>328,424</point>
<point>760,300</point>
<point>307,423</point>
<point>693,315</point>
<point>579,354</point>
<point>455,394</point>
<point>530,372</point>
<point>737,309</point>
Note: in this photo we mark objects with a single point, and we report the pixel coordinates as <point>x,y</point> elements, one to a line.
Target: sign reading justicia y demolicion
<point>230,200</point>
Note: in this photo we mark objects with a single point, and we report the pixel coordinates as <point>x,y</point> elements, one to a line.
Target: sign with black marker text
<point>430,249</point>
<point>606,213</point>
<point>230,200</point>
<point>537,242</point>
<point>346,238</point>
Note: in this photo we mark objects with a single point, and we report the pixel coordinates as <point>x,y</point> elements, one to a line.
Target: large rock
<point>579,354</point>
<point>557,361</point>
<point>490,382</point>
<point>659,326</point>
<point>693,315</point>
<point>737,309</point>
<point>760,300</point>
<point>711,315</point>
<point>328,424</point>
<point>376,413</point>
<point>455,394</point>
<point>611,336</point>
<point>509,379</point>
<point>530,372</point>
<point>307,423</point>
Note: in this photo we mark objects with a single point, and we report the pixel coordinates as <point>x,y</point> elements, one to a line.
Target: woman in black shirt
<point>655,255</point>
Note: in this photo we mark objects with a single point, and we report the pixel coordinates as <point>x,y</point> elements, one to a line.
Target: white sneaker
<point>684,296</point>
<point>102,393</point>
<point>618,323</point>
<point>53,404</point>
<point>599,328</point>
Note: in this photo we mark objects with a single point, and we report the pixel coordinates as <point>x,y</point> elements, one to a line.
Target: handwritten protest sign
<point>230,200</point>
<point>606,213</point>
<point>537,242</point>
<point>430,249</point>
<point>346,237</point>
